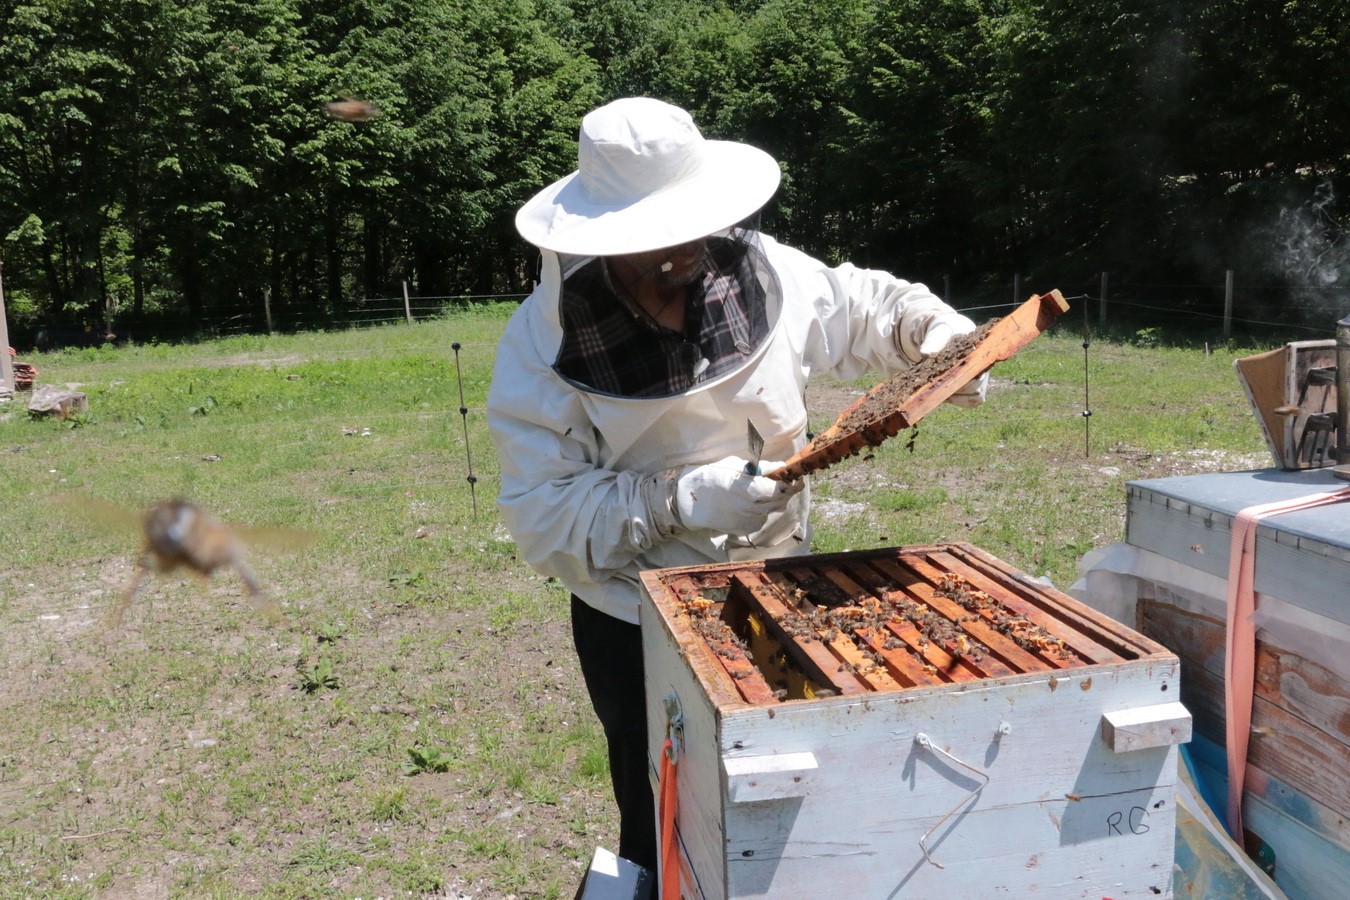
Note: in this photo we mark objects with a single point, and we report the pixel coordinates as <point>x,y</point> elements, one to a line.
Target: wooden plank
<point>922,654</point>
<point>805,649</point>
<point>743,673</point>
<point>1146,727</point>
<point>666,659</point>
<point>847,436</point>
<point>1080,649</point>
<point>1006,658</point>
<point>1115,636</point>
<point>847,643</point>
<point>711,654</point>
<point>1311,860</point>
<point>904,668</point>
<point>1300,710</point>
<point>928,663</point>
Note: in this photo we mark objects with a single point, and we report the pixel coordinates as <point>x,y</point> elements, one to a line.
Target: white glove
<point>973,392</point>
<point>940,331</point>
<point>719,497</point>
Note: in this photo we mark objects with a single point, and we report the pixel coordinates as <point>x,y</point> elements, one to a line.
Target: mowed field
<point>416,725</point>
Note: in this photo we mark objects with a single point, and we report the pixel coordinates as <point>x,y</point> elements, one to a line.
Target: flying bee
<point>351,109</point>
<point>180,534</point>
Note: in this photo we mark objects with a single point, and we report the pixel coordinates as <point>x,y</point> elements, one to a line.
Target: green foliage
<point>319,676</point>
<point>172,163</point>
<point>1147,337</point>
<point>428,760</point>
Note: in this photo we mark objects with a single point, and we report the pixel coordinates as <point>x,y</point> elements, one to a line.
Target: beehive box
<point>1296,794</point>
<point>919,722</point>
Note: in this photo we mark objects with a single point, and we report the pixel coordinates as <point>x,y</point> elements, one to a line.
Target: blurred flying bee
<point>351,109</point>
<point>180,534</point>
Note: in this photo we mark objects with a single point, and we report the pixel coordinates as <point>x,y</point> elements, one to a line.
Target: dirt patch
<point>182,754</point>
<point>254,359</point>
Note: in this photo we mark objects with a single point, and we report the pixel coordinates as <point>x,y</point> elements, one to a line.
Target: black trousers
<point>610,651</point>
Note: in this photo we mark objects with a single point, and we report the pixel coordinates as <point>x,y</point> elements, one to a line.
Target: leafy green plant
<point>1147,337</point>
<point>423,759</point>
<point>321,856</point>
<point>330,632</point>
<point>391,806</point>
<point>206,407</point>
<point>319,676</point>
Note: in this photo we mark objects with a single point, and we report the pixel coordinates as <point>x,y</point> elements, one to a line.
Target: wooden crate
<point>921,721</point>
<point>1292,390</point>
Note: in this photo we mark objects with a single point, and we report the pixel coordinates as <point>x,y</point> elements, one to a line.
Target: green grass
<point>418,723</point>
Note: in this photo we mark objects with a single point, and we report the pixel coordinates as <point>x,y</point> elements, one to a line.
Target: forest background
<point>167,166</point>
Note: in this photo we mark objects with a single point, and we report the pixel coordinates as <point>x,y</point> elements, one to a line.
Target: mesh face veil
<point>612,345</point>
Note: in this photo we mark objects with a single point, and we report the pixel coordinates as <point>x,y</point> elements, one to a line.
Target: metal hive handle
<point>923,740</point>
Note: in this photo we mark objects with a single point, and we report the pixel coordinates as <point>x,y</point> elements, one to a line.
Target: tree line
<point>174,158</point>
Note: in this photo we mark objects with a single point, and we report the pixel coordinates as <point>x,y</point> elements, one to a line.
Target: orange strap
<point>1239,664</point>
<point>670,854</point>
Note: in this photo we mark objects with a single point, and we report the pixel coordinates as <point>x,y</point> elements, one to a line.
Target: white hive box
<point>916,722</point>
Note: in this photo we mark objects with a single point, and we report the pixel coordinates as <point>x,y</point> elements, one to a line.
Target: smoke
<point>1312,252</point>
<point>1311,243</point>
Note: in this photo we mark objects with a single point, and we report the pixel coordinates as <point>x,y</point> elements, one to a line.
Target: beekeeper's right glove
<point>720,497</point>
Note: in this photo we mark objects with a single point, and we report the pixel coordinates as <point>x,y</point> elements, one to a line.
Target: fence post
<point>267,307</point>
<point>6,367</point>
<point>1227,304</point>
<point>407,307</point>
<point>1101,311</point>
<point>1017,289</point>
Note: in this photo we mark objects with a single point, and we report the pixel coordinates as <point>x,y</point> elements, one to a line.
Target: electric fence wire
<point>464,416</point>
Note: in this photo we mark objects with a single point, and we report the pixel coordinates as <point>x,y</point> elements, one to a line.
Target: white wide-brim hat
<point>646,179</point>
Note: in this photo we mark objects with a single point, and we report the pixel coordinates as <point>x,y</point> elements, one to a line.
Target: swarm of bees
<point>180,534</point>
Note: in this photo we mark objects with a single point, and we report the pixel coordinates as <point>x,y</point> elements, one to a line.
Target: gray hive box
<point>1302,557</point>
<point>1169,579</point>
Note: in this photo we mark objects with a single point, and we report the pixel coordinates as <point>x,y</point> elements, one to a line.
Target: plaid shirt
<point>611,346</point>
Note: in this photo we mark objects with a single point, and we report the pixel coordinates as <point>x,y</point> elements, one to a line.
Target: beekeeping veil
<point>648,180</point>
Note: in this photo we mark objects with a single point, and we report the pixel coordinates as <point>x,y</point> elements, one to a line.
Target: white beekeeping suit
<point>597,486</point>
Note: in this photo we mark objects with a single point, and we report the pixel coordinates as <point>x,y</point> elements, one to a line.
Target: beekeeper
<point>663,325</point>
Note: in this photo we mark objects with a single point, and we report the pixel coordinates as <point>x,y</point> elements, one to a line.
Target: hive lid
<point>1302,557</point>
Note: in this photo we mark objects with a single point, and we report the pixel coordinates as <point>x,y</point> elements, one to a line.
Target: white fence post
<point>6,367</point>
<point>1227,304</point>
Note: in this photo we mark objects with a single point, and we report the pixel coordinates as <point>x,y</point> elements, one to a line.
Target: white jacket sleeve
<point>862,319</point>
<point>570,519</point>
